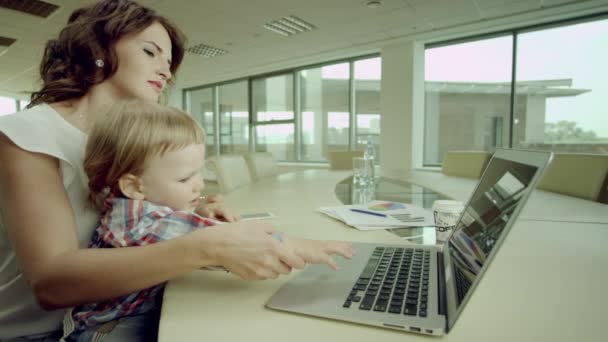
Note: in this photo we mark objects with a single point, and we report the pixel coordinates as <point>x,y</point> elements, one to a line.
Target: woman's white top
<point>42,130</point>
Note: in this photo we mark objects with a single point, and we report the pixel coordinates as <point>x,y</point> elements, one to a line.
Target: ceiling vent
<point>33,7</point>
<point>5,41</point>
<point>206,50</point>
<point>288,26</point>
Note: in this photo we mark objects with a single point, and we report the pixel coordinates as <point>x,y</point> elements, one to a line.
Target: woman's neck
<point>78,112</point>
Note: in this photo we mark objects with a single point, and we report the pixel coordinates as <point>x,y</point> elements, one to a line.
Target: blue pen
<point>367,212</point>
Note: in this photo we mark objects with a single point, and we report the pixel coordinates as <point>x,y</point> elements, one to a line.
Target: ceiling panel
<point>497,3</point>
<point>409,29</point>
<point>24,51</point>
<point>21,20</point>
<point>345,28</point>
<point>24,80</point>
<point>506,8</point>
<point>225,12</point>
<point>436,11</point>
<point>560,2</point>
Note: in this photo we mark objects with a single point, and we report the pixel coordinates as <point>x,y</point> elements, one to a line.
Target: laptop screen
<point>488,212</point>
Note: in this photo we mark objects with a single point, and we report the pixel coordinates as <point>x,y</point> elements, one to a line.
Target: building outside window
<point>556,102</point>
<point>234,117</point>
<point>273,116</point>
<point>325,112</point>
<point>300,128</point>
<point>467,97</point>
<point>561,83</point>
<point>200,106</point>
<point>367,102</point>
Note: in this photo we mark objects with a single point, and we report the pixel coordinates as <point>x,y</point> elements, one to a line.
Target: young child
<point>144,163</point>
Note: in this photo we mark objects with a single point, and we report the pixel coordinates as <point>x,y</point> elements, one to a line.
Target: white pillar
<point>535,119</point>
<point>402,95</point>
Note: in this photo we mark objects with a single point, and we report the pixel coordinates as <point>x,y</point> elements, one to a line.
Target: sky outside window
<point>578,52</point>
<point>575,52</point>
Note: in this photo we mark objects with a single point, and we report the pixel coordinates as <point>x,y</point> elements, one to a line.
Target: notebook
<point>418,288</point>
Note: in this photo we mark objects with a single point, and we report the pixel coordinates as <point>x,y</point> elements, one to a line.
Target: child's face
<point>174,179</point>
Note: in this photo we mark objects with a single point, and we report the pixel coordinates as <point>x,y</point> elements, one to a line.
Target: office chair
<point>231,171</point>
<point>261,164</point>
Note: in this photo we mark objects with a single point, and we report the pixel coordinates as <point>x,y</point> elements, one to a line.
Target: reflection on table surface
<point>386,189</point>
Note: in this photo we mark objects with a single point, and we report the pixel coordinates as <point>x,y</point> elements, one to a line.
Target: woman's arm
<point>40,223</point>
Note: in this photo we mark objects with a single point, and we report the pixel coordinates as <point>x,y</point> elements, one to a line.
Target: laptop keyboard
<point>394,280</point>
<point>462,283</point>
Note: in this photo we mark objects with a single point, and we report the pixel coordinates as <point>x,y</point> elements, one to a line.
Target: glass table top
<point>386,189</point>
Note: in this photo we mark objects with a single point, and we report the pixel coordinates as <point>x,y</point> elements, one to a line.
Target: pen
<point>367,212</point>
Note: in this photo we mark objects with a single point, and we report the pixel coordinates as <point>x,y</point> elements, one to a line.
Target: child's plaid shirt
<point>125,223</point>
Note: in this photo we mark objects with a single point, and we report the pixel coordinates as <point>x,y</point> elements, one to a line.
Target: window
<point>274,118</point>
<point>200,105</point>
<point>234,117</point>
<point>467,97</point>
<point>298,115</point>
<point>7,105</point>
<point>367,94</point>
<point>556,103</point>
<point>561,89</point>
<point>325,112</point>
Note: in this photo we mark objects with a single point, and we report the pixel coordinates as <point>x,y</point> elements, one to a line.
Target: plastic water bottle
<point>370,156</point>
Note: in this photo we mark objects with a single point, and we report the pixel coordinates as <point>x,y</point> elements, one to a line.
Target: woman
<point>109,51</point>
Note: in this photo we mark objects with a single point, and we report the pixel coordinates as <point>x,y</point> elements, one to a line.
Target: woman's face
<point>143,70</point>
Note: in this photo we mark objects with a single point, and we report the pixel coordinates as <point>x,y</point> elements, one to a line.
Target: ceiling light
<point>6,41</point>
<point>33,7</point>
<point>206,51</point>
<point>373,4</point>
<point>306,25</point>
<point>288,26</point>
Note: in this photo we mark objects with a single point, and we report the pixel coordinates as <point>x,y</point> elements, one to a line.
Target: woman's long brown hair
<point>68,68</point>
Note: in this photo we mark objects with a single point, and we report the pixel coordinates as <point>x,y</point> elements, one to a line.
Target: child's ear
<point>130,185</point>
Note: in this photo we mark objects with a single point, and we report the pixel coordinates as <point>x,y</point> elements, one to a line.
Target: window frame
<point>514,33</point>
<point>297,120</point>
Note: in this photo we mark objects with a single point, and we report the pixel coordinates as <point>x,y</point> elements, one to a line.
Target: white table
<point>547,282</point>
<point>542,205</point>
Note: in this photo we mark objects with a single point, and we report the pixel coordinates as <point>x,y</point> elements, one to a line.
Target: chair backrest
<point>342,160</point>
<point>261,164</point>
<point>578,175</point>
<point>231,171</point>
<point>603,197</point>
<point>469,164</point>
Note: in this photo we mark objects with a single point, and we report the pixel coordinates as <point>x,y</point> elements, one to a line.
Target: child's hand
<point>319,251</point>
<point>214,208</point>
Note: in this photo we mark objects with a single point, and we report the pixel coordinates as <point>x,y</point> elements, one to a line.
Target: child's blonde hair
<point>122,140</point>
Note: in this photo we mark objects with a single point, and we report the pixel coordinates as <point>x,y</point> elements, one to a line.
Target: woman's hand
<point>213,207</point>
<point>247,249</point>
<point>319,251</point>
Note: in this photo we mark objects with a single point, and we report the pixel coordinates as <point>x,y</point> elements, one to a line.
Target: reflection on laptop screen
<point>484,219</point>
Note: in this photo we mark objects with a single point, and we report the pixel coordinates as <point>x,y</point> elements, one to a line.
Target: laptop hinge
<point>441,295</point>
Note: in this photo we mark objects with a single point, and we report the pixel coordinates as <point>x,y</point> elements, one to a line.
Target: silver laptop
<point>414,287</point>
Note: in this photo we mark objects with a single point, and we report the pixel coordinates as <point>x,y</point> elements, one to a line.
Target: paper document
<point>381,215</point>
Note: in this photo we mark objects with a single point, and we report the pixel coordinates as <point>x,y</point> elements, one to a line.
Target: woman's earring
<point>99,63</point>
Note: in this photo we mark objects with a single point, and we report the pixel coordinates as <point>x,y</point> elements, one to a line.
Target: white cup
<point>446,213</point>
